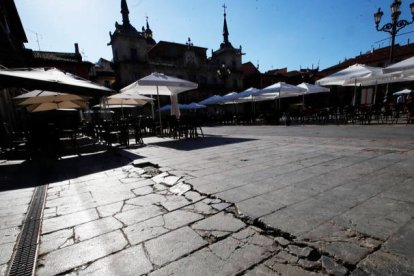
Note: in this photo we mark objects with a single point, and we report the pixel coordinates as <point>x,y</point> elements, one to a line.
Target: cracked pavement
<point>256,200</point>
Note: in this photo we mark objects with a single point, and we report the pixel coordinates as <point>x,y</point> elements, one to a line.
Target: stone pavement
<point>253,200</point>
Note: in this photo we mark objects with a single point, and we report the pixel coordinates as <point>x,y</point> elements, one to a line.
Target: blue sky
<point>273,33</point>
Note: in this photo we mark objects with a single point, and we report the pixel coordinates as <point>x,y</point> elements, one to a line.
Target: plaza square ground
<point>254,200</point>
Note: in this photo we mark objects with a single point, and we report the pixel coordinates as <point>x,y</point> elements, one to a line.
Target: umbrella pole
<point>354,98</point>
<point>152,109</point>
<point>159,110</point>
<point>375,93</point>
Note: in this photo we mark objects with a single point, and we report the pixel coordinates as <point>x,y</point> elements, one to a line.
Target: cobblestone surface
<point>242,200</point>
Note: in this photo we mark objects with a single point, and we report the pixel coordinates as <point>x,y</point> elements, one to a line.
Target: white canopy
<point>283,90</point>
<point>211,100</point>
<point>362,75</point>
<point>406,67</point>
<point>312,88</point>
<point>159,84</point>
<point>46,106</point>
<point>402,92</point>
<point>229,98</point>
<point>43,96</point>
<point>350,75</point>
<point>128,98</point>
<point>194,106</point>
<point>50,79</point>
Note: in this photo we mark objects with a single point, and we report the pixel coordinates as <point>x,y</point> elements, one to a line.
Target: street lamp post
<point>395,25</point>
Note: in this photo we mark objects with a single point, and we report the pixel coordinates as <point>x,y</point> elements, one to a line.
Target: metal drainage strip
<point>23,262</point>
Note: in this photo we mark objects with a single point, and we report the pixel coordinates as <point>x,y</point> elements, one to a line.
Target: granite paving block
<point>3,269</point>
<point>383,263</point>
<point>66,221</point>
<point>11,221</point>
<point>242,250</point>
<point>16,210</point>
<point>131,261</point>
<point>142,231</point>
<point>56,240</point>
<point>9,235</point>
<point>67,258</point>
<point>6,252</point>
<point>304,216</point>
<point>180,218</point>
<point>377,217</point>
<point>173,245</point>
<point>219,225</point>
<point>110,209</point>
<point>200,263</point>
<point>95,228</point>
<point>139,214</point>
<point>332,267</point>
<point>402,242</point>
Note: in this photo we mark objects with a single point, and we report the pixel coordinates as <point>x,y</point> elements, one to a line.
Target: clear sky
<point>273,33</point>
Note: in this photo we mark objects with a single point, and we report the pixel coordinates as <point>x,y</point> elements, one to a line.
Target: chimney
<point>76,48</point>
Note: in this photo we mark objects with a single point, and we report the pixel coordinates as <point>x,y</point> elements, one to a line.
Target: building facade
<point>136,54</point>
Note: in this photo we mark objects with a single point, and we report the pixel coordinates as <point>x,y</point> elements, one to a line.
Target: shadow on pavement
<point>199,143</point>
<point>47,170</point>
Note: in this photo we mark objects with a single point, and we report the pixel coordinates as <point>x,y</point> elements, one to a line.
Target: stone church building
<point>136,54</point>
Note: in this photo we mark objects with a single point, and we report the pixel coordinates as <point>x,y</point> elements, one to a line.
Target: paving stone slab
<point>383,263</point>
<point>67,258</point>
<point>221,222</point>
<point>139,214</point>
<point>146,230</point>
<point>131,261</point>
<point>95,228</point>
<point>3,269</point>
<point>180,218</point>
<point>6,252</point>
<point>201,263</point>
<point>9,235</point>
<point>12,221</point>
<point>347,252</point>
<point>66,221</point>
<point>275,268</point>
<point>377,217</point>
<point>402,242</point>
<point>180,188</point>
<point>242,250</point>
<point>110,209</point>
<point>332,267</point>
<point>173,245</point>
<point>56,240</point>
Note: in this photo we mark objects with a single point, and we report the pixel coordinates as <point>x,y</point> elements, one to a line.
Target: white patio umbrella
<point>135,99</point>
<point>159,84</point>
<point>46,106</point>
<point>281,90</point>
<point>194,106</point>
<point>406,67</point>
<point>312,89</point>
<point>402,92</point>
<point>350,76</point>
<point>211,100</point>
<point>43,96</point>
<point>229,98</point>
<point>51,79</point>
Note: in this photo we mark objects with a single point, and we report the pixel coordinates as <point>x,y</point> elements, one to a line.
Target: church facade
<point>136,54</point>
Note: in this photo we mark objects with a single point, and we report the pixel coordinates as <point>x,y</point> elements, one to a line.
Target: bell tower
<point>129,48</point>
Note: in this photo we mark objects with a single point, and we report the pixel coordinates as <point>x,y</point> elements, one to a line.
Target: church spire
<point>124,12</point>
<point>225,30</point>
